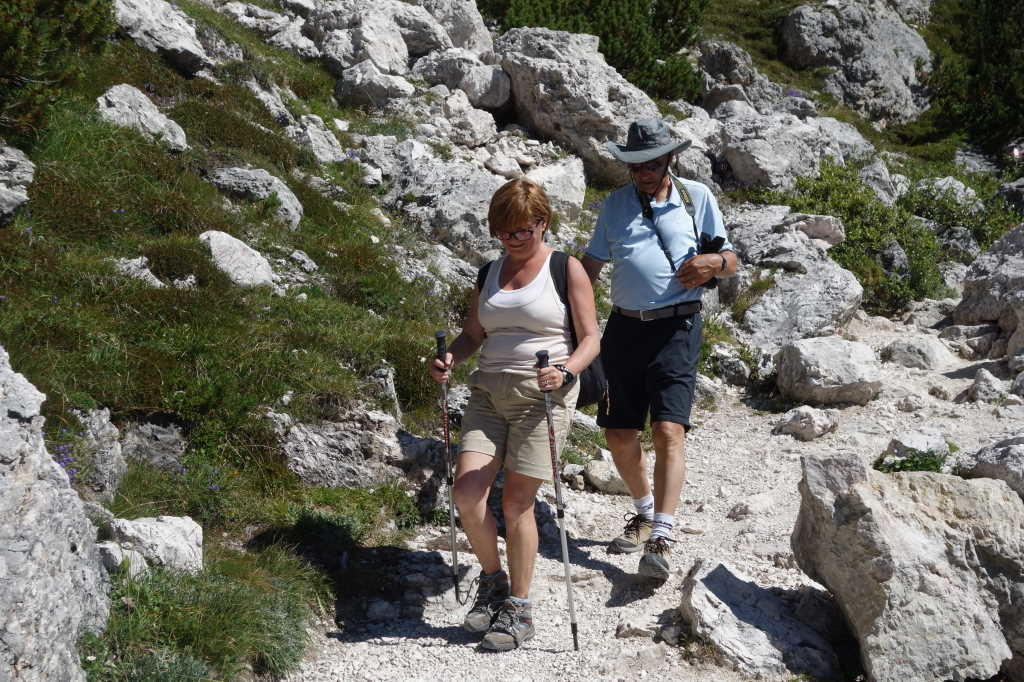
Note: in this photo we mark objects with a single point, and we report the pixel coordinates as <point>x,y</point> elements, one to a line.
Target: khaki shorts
<point>506,419</point>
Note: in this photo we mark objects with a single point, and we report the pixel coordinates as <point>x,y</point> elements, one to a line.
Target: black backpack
<point>593,384</point>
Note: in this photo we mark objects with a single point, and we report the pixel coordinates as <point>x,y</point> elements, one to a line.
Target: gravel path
<point>732,456</point>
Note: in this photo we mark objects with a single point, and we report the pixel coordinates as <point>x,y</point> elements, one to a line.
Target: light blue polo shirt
<point>641,276</point>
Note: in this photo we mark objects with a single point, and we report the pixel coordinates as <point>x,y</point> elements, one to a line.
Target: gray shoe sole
<point>653,566</point>
<point>477,623</point>
<point>500,641</point>
<point>620,546</point>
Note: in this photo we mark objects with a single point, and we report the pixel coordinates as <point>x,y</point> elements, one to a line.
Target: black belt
<point>678,310</point>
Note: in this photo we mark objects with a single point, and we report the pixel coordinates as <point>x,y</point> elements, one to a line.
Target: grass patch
<point>915,461</point>
<point>242,612</point>
<point>750,296</point>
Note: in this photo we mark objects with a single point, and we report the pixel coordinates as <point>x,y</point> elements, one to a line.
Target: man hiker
<point>665,239</point>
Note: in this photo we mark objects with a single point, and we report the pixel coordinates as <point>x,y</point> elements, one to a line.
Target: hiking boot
<point>654,562</point>
<point>511,627</point>
<point>491,592</point>
<point>634,535</point>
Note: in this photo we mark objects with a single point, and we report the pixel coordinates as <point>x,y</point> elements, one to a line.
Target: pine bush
<point>39,43</point>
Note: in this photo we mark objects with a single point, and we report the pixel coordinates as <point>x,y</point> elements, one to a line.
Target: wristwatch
<point>569,377</point>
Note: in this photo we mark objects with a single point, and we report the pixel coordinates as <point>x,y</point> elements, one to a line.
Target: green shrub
<point>871,227</point>
<point>638,37</point>
<point>915,461</point>
<point>40,42</point>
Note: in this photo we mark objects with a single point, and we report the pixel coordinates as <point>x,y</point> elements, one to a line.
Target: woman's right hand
<point>441,371</point>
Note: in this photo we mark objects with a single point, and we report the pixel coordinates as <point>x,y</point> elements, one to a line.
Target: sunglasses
<point>649,166</point>
<point>519,235</point>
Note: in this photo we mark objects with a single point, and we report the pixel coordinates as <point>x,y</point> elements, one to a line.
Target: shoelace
<point>507,617</point>
<point>481,585</point>
<point>633,521</point>
<point>658,544</point>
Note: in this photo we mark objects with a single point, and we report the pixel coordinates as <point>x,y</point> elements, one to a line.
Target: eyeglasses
<point>519,235</point>
<point>649,166</point>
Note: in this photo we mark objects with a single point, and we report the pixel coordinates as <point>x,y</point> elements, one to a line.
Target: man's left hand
<point>699,269</point>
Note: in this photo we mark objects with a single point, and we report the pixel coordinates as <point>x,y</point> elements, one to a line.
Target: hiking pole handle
<point>441,337</point>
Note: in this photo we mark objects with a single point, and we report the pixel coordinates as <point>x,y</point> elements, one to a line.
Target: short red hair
<point>517,203</point>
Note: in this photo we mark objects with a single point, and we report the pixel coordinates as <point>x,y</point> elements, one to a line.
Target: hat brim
<point>639,156</point>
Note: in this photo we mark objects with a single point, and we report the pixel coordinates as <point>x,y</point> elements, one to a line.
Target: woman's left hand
<point>550,378</point>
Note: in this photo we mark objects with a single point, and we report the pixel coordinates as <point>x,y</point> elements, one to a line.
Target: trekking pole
<point>542,362</point>
<point>442,351</point>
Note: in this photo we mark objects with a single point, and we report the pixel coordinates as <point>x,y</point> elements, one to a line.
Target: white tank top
<point>521,322</point>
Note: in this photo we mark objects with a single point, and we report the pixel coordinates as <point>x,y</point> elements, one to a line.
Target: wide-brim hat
<point>646,140</point>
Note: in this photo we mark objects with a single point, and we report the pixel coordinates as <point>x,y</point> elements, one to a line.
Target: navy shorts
<point>651,368</point>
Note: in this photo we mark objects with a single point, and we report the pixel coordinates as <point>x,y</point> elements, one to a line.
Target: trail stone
<point>565,185</point>
<point>128,107</point>
<point>603,476</point>
<point>1003,460</point>
<point>925,567</point>
<point>256,185</point>
<point>829,370</point>
<point>920,352</point>
<point>986,388</point>
<point>174,542</point>
<point>807,423</point>
<point>750,627</point>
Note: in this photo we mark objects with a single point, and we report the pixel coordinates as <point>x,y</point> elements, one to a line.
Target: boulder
<point>365,84</point>
<point>161,446</point>
<point>986,388</point>
<point>994,289</point>
<point>53,588</point>
<point>727,65</point>
<point>603,476</point>
<point>160,27</point>
<point>102,448</point>
<point>256,185</point>
<point>952,189</point>
<point>919,352</point>
<point>878,179</point>
<point>293,38</point>
<point>927,568</point>
<point>138,268</point>
<point>172,542</point>
<point>16,174</point>
<point>828,370</point>
<point>312,133</point>
<point>356,450</point>
<point>807,423</point>
<point>751,627</point>
<point>565,184</point>
<point>462,21</point>
<point>877,61</point>
<point>129,107</point>
<point>258,19</point>
<point>245,266</point>
<point>564,90</point>
<point>1002,460</point>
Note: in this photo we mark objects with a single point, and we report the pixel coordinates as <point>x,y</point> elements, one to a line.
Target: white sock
<point>663,524</point>
<point>645,506</point>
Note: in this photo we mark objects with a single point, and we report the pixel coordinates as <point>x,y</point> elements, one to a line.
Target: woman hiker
<point>516,313</point>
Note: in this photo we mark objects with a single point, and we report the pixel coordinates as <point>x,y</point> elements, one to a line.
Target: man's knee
<point>669,437</point>
<point>620,438</point>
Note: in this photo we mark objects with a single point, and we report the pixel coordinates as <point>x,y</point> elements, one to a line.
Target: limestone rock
<point>986,388</point>
<point>564,183</point>
<point>807,423</point>
<point>365,84</point>
<point>313,134</point>
<point>245,266</point>
<point>161,446</point>
<point>129,107</point>
<point>928,441</point>
<point>564,90</point>
<point>927,568</point>
<point>53,587</point>
<point>256,185</point>
<point>174,542</point>
<point>16,173</point>
<point>994,289</point>
<point>103,447</point>
<point>603,476</point>
<point>829,370</point>
<point>157,26</point>
<point>1003,460</point>
<point>921,352</point>
<point>751,628</point>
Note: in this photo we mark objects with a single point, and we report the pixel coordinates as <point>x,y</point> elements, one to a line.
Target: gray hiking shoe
<point>512,626</point>
<point>491,593</point>
<point>654,562</point>
<point>634,535</point>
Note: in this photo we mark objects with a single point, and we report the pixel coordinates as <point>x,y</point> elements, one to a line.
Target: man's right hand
<point>441,371</point>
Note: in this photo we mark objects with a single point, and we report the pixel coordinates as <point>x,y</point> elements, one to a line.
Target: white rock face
<point>138,268</point>
<point>53,588</point>
<point>750,627</point>
<point>159,27</point>
<point>807,423</point>
<point>565,184</point>
<point>994,290</point>
<point>564,89</point>
<point>16,173</point>
<point>311,132</point>
<point>244,265</point>
<point>987,388</point>
<point>877,177</point>
<point>365,84</point>
<point>921,352</point>
<point>926,567</point>
<point>256,185</point>
<point>129,107</point>
<point>1003,460</point>
<point>828,370</point>
<point>113,555</point>
<point>877,60</point>
<point>174,542</point>
<point>462,21</point>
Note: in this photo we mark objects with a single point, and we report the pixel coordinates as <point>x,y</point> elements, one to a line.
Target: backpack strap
<point>559,266</point>
<point>481,275</point>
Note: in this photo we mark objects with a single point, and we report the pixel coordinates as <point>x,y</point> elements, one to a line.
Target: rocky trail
<point>738,507</point>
